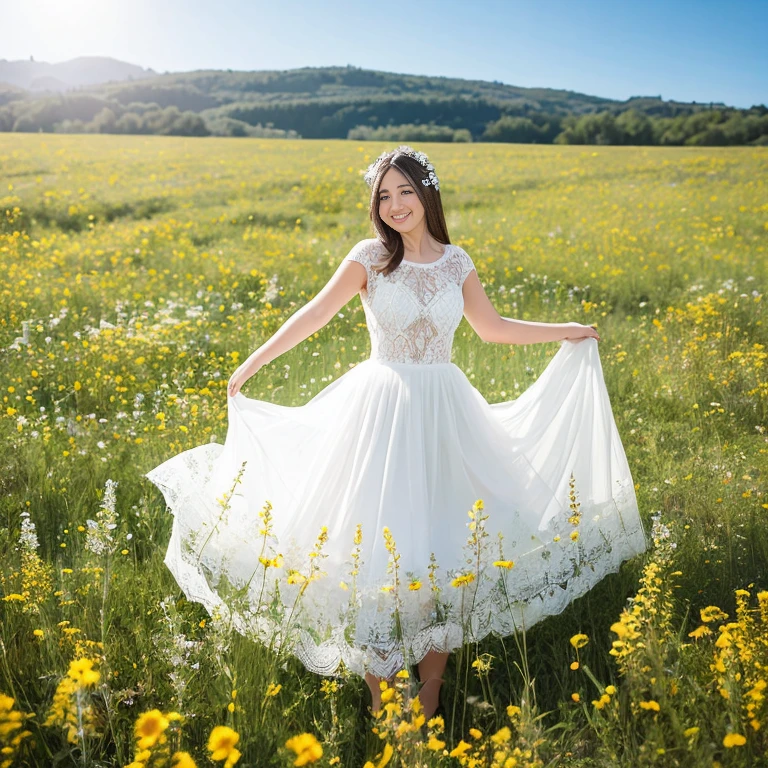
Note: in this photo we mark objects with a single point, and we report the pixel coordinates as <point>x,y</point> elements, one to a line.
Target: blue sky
<point>692,51</point>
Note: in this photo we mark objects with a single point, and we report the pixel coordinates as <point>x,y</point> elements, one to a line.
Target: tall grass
<point>137,272</point>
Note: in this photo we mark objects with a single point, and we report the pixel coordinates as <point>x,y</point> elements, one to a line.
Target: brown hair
<point>414,172</point>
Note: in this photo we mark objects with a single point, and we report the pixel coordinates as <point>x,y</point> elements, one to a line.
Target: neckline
<point>427,263</point>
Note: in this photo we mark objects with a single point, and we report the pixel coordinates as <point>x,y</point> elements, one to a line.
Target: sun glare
<point>84,25</point>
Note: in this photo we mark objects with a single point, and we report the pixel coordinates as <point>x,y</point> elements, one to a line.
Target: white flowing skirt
<point>282,528</point>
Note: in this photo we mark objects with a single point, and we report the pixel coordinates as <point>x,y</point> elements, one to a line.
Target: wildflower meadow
<point>137,272</point>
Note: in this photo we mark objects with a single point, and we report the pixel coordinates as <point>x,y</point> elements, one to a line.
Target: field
<point>137,272</point>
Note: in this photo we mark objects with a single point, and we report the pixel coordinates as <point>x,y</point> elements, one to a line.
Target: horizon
<point>628,52</point>
<point>342,66</point>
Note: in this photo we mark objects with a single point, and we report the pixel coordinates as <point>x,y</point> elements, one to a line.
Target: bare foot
<point>429,696</point>
<point>374,685</point>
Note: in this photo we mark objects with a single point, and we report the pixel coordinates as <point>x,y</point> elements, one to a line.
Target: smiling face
<point>399,204</point>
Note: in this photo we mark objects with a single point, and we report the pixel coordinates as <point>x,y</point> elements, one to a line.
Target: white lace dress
<point>404,442</point>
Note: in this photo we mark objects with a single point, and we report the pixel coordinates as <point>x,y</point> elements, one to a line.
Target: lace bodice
<point>413,312</point>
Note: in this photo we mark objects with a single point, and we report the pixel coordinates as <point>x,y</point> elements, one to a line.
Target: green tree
<point>635,127</point>
<point>130,123</point>
<point>104,122</point>
<point>515,129</point>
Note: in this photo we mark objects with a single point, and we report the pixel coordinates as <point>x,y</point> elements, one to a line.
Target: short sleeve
<point>466,265</point>
<point>361,252</point>
<point>364,253</point>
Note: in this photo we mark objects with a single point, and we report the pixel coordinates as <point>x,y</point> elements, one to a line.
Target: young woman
<point>374,552</point>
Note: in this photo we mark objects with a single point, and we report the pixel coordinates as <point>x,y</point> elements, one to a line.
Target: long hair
<point>414,172</point>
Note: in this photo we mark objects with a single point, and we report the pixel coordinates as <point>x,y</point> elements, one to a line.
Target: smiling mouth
<point>403,218</point>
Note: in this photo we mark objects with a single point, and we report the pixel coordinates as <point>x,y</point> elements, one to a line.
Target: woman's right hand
<point>577,332</point>
<point>239,377</point>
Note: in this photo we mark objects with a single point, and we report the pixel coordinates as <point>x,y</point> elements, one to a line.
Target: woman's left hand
<point>579,332</point>
<point>239,377</point>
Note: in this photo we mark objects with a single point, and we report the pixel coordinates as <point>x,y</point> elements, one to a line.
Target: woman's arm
<point>489,325</point>
<point>346,282</point>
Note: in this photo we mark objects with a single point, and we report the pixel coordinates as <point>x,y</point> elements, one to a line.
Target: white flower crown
<point>404,149</point>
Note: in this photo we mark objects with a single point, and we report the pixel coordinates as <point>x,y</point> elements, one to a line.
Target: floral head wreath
<point>404,149</point>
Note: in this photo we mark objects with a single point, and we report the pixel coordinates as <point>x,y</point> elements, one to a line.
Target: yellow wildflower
<point>712,613</point>
<point>436,722</point>
<point>307,748</point>
<point>221,744</point>
<point>81,671</point>
<point>182,760</point>
<point>734,740</point>
<point>700,632</point>
<point>461,581</point>
<point>149,727</point>
<point>620,629</point>
<point>385,757</point>
<point>460,749</point>
<point>12,731</point>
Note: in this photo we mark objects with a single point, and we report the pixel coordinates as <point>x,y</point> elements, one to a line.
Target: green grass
<point>174,242</point>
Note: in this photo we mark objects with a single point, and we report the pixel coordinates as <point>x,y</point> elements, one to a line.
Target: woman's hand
<point>239,377</point>
<point>579,332</point>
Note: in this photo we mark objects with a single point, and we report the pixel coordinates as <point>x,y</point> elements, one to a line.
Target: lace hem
<point>372,627</point>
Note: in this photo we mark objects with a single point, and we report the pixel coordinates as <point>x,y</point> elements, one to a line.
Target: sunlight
<point>84,23</point>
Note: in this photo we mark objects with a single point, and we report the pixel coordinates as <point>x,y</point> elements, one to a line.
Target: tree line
<point>381,116</point>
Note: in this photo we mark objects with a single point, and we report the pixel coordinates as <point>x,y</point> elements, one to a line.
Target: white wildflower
<point>28,538</point>
<point>98,538</point>
<point>272,290</point>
